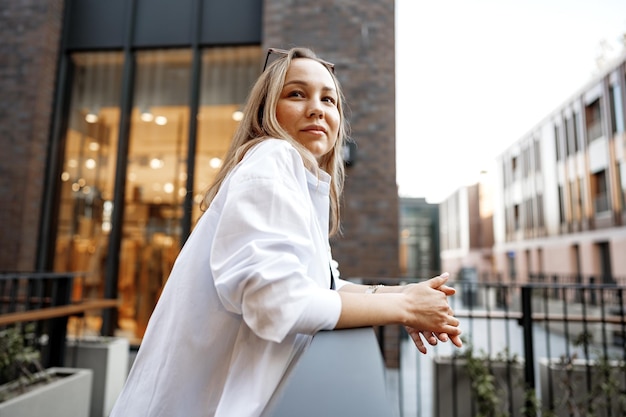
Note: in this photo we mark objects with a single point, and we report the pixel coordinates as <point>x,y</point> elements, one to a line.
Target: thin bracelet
<point>373,288</point>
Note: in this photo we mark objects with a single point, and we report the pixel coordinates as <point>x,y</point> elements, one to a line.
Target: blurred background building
<point>554,206</point>
<point>560,205</point>
<point>419,238</point>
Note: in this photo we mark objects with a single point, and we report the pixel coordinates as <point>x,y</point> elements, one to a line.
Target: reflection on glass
<point>227,76</point>
<point>88,175</point>
<point>155,183</point>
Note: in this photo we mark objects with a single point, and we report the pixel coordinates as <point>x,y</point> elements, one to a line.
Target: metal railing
<point>561,346</point>
<point>47,300</point>
<point>22,292</point>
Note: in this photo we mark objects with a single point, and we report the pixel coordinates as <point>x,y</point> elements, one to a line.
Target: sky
<point>475,76</point>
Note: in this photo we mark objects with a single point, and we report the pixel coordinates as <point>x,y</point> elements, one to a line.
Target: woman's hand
<point>427,309</point>
<point>422,308</point>
<point>431,338</point>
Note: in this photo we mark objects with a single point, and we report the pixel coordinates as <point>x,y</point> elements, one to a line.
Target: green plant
<point>19,358</point>
<point>483,383</point>
<point>606,394</point>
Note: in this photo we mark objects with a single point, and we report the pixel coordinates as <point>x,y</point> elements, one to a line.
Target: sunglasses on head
<point>281,53</point>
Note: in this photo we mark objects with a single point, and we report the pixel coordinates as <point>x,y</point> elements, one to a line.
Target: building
<point>419,238</point>
<point>466,230</point>
<point>560,206</point>
<point>114,116</point>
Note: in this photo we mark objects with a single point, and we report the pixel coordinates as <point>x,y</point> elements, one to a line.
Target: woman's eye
<point>330,100</point>
<point>296,93</point>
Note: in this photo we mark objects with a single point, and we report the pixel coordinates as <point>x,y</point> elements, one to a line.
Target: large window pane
<point>227,76</point>
<point>88,174</point>
<point>155,188</point>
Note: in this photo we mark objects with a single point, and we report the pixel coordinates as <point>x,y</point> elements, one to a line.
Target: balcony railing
<point>559,339</point>
<point>48,300</point>
<point>560,347</point>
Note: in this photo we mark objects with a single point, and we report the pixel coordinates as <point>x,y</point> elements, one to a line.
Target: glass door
<point>88,175</point>
<point>155,189</point>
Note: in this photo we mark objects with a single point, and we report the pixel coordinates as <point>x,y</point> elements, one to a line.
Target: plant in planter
<point>19,361</point>
<point>29,390</point>
<point>487,386</point>
<point>589,387</point>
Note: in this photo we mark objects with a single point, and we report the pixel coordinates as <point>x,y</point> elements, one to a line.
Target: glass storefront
<point>157,168</point>
<point>88,172</point>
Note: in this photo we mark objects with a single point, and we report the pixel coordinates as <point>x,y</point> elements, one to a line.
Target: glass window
<point>622,187</point>
<point>561,205</point>
<point>88,173</point>
<point>594,121</point>
<point>557,143</point>
<point>575,134</point>
<point>617,112</point>
<point>599,192</point>
<point>155,183</point>
<point>227,76</point>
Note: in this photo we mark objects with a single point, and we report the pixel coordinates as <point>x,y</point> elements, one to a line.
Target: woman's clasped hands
<point>429,316</point>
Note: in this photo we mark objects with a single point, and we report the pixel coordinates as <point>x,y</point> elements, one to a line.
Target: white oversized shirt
<point>249,288</point>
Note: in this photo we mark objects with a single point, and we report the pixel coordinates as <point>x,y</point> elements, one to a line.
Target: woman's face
<point>307,106</point>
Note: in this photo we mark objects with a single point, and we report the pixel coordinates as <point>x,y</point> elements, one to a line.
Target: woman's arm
<point>422,306</point>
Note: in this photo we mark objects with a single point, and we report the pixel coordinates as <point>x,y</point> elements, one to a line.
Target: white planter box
<point>453,386</point>
<point>108,358</point>
<point>64,397</point>
<point>572,389</point>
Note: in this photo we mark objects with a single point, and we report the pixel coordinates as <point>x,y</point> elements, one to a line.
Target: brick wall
<point>358,36</point>
<point>30,32</point>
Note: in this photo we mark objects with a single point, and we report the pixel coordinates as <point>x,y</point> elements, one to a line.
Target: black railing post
<point>58,326</point>
<point>529,357</point>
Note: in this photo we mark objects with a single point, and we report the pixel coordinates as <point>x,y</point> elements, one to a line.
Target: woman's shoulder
<point>272,146</point>
<point>272,156</point>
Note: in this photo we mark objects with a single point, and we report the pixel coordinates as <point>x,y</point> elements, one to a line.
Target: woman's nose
<point>315,110</point>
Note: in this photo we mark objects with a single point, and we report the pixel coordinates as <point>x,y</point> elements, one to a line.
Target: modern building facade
<point>466,230</point>
<point>114,117</point>
<point>419,239</point>
<point>560,205</point>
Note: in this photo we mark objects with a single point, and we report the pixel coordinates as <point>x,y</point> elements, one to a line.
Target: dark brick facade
<point>358,36</point>
<point>30,31</point>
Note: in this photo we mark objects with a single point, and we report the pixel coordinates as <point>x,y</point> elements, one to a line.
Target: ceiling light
<point>91,117</point>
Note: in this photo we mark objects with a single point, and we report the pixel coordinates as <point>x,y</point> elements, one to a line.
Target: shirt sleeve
<point>264,245</point>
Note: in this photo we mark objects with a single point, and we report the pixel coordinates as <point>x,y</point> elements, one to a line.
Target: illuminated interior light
<point>237,115</point>
<point>160,120</point>
<point>215,163</point>
<point>156,163</point>
<point>146,116</point>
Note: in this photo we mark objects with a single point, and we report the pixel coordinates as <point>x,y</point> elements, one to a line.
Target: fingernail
<point>445,274</point>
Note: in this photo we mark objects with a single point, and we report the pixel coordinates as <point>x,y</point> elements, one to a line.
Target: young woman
<point>255,279</point>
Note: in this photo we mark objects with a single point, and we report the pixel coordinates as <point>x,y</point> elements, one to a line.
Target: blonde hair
<point>259,123</point>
